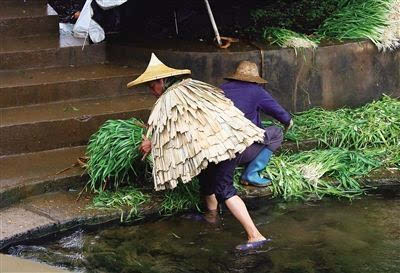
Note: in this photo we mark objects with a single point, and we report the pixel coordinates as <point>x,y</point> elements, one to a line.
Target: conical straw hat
<point>157,70</point>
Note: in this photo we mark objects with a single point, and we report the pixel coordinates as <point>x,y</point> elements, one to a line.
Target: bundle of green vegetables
<point>183,197</point>
<point>126,197</point>
<point>315,174</point>
<point>376,20</point>
<point>113,153</point>
<point>372,125</point>
<point>287,38</point>
<point>357,19</point>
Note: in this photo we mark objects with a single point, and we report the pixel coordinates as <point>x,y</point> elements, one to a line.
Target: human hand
<point>145,146</point>
<point>76,15</point>
<point>287,127</point>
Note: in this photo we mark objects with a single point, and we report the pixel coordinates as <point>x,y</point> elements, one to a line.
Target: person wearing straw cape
<point>194,130</point>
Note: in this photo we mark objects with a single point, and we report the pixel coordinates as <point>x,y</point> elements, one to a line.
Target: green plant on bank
<point>376,20</point>
<point>113,153</point>
<point>319,173</point>
<point>389,155</point>
<point>125,198</point>
<point>372,125</point>
<point>287,38</point>
<point>357,19</point>
<point>183,197</point>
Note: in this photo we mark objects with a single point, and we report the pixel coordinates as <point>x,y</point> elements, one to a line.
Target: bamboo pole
<point>214,25</point>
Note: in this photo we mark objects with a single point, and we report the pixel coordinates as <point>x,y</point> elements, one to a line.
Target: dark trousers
<point>218,178</point>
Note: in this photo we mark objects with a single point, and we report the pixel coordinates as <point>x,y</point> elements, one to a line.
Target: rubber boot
<point>251,175</point>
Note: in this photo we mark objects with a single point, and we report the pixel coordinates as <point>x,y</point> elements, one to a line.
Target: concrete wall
<point>332,76</point>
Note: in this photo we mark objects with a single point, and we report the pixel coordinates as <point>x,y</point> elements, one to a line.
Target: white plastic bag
<point>66,28</point>
<point>109,4</point>
<point>86,26</point>
<point>96,32</point>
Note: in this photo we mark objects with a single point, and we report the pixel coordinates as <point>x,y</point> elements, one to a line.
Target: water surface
<point>325,236</point>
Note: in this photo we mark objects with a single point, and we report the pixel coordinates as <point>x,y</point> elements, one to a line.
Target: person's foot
<point>263,183</point>
<point>252,244</point>
<point>194,216</point>
<point>211,216</point>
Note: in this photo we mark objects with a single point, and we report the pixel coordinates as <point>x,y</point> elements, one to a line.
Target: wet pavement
<point>9,264</point>
<point>51,213</point>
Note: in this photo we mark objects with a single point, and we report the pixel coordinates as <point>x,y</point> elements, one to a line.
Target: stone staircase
<point>53,95</point>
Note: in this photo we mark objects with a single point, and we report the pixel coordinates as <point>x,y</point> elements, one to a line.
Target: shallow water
<point>324,236</point>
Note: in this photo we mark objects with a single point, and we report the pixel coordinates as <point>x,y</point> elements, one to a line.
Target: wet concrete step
<point>51,213</point>
<point>37,86</point>
<point>48,51</point>
<point>31,43</point>
<point>25,175</point>
<point>26,20</point>
<point>22,11</point>
<point>64,124</point>
<point>8,3</point>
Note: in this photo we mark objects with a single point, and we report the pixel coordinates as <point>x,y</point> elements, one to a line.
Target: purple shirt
<point>251,98</point>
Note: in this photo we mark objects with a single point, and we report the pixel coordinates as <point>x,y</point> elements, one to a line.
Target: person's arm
<point>271,107</point>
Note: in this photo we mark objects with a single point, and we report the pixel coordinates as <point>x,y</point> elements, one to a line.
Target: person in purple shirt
<point>244,89</point>
<point>216,181</point>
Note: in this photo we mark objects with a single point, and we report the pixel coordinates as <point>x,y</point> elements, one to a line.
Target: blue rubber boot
<point>251,175</point>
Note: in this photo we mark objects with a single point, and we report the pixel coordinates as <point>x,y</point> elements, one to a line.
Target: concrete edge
<point>12,195</point>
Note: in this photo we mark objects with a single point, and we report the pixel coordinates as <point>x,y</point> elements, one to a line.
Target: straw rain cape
<point>192,124</point>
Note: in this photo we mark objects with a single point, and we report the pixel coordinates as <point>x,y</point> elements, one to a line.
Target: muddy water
<point>325,236</point>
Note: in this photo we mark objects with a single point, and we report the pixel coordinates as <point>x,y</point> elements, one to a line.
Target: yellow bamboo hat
<point>248,72</point>
<point>157,70</point>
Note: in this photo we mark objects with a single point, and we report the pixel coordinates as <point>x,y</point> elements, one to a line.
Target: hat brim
<point>246,78</point>
<point>158,74</point>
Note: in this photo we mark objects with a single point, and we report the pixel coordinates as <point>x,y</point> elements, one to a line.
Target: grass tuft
<point>287,38</point>
<point>125,198</point>
<point>319,173</point>
<point>183,197</point>
<point>372,125</point>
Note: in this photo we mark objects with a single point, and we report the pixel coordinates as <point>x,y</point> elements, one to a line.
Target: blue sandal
<point>252,245</point>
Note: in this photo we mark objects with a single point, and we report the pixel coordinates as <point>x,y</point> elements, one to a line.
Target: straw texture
<point>192,124</point>
<point>157,70</point>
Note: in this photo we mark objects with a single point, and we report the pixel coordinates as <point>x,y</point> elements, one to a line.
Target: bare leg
<point>237,207</point>
<point>211,202</point>
<point>211,215</point>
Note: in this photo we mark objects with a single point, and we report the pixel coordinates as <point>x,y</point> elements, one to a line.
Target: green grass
<point>372,125</point>
<point>356,19</point>
<point>307,22</point>
<point>183,197</point>
<point>127,198</point>
<point>287,38</point>
<point>319,173</point>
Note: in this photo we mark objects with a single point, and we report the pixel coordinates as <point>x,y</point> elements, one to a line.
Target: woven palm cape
<point>192,124</point>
